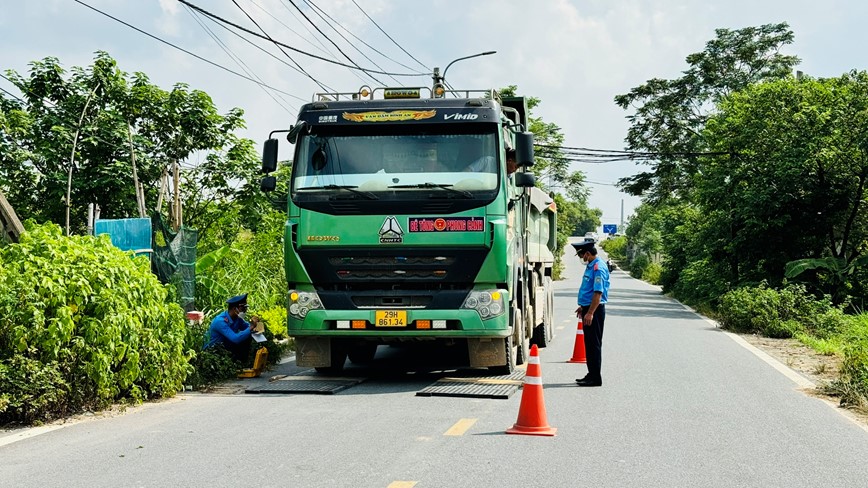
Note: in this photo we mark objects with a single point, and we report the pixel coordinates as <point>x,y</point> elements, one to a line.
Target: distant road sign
<point>610,228</point>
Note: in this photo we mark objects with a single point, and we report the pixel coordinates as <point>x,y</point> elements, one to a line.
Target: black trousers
<point>594,341</point>
<point>241,351</point>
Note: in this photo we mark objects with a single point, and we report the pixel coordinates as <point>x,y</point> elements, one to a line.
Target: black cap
<point>584,246</point>
<point>237,300</point>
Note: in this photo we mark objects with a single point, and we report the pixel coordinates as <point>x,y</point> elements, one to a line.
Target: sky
<point>575,56</point>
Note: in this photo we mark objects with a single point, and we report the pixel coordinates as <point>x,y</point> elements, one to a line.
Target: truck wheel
<point>338,358</point>
<point>509,367</point>
<point>363,353</point>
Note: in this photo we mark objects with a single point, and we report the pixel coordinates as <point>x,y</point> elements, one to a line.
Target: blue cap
<point>236,300</point>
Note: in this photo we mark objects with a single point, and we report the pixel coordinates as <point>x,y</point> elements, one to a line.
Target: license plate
<point>391,318</point>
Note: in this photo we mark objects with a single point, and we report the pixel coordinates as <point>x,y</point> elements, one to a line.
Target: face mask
<point>241,315</point>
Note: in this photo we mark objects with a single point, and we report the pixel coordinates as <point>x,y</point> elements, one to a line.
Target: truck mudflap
<point>313,352</point>
<point>486,351</point>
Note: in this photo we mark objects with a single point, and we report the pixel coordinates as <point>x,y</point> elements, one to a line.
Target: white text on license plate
<point>391,318</point>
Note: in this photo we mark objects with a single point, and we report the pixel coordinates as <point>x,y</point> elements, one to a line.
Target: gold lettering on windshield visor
<point>393,116</point>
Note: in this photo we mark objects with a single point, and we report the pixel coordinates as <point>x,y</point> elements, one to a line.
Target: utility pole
<point>140,195</point>
<point>72,157</point>
<point>176,170</point>
<point>621,227</point>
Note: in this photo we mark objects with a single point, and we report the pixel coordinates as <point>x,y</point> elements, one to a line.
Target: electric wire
<point>276,44</point>
<point>295,49</point>
<point>320,12</point>
<point>287,27</point>
<point>312,34</point>
<point>239,61</point>
<point>212,63</point>
<point>363,41</point>
<point>387,35</point>
<point>231,31</point>
<point>312,23</point>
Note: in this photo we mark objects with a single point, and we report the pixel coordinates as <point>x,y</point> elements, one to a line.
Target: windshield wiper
<point>349,188</point>
<point>442,186</point>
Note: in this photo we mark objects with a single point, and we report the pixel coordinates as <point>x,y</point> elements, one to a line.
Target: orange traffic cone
<point>532,411</point>
<point>579,347</point>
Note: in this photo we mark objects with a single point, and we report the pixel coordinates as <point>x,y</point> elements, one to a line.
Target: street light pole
<point>440,79</point>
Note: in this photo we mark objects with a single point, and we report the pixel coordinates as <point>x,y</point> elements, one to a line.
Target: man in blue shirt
<point>230,330</point>
<point>593,295</point>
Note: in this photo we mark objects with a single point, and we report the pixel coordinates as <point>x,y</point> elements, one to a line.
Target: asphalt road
<point>683,404</point>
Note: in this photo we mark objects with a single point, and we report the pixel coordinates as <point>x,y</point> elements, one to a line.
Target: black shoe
<point>589,382</point>
<point>581,380</point>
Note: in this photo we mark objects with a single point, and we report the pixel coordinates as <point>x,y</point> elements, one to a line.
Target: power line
<point>275,43</point>
<point>387,35</point>
<point>227,29</point>
<point>320,12</point>
<point>212,63</point>
<point>292,2</point>
<point>362,41</point>
<point>237,60</point>
<point>227,22</point>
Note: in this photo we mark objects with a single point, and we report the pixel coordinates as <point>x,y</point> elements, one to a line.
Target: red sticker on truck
<point>446,224</point>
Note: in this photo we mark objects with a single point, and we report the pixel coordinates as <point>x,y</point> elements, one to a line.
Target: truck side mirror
<point>524,148</point>
<point>524,180</point>
<point>269,156</point>
<point>268,184</point>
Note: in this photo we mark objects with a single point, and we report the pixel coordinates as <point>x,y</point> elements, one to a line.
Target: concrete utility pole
<point>621,227</point>
<point>140,195</point>
<point>72,157</point>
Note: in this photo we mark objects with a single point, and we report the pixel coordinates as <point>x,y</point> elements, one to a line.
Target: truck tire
<point>363,353</point>
<point>509,367</point>
<point>338,358</point>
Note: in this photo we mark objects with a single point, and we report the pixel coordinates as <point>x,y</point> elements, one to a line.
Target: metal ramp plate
<point>306,384</point>
<point>496,387</point>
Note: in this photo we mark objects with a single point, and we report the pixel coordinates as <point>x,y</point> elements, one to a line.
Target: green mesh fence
<point>175,260</point>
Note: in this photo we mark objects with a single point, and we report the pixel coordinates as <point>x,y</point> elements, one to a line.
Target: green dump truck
<point>407,223</point>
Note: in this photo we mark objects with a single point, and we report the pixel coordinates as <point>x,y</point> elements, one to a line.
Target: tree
<point>165,126</point>
<point>797,177</point>
<point>670,114</point>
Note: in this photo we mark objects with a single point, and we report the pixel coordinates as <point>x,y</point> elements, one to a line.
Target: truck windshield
<point>398,163</point>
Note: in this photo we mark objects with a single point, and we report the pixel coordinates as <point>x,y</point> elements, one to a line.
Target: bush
<point>853,382</point>
<point>638,266</point>
<point>616,247</point>
<point>699,283</point>
<point>780,313</point>
<point>652,273</point>
<point>88,323</point>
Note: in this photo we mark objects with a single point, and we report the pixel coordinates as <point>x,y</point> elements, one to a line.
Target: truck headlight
<point>487,303</point>
<point>301,302</point>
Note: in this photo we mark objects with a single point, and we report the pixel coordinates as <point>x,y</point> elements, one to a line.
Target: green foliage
<point>780,313</point>
<point>88,323</point>
<point>253,265</point>
<point>275,320</point>
<point>652,273</point>
<point>670,115</point>
<point>853,382</point>
<point>615,247</point>
<point>39,133</point>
